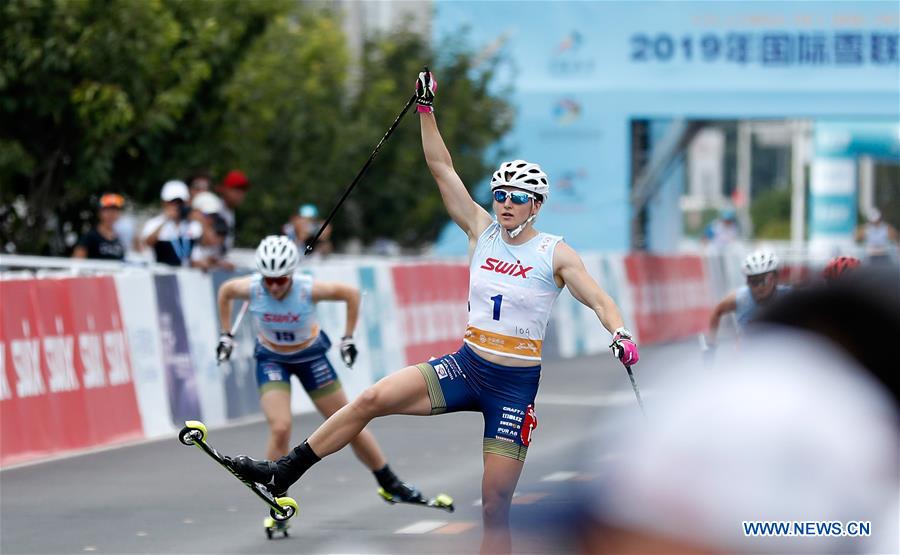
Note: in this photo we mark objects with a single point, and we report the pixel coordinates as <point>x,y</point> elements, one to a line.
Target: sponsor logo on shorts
<point>274,374</point>
<point>441,371</point>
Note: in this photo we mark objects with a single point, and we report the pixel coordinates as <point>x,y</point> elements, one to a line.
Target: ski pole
<point>309,247</point>
<point>235,326</point>
<point>637,392</point>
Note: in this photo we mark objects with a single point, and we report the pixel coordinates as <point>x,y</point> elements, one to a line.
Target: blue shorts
<point>504,395</point>
<point>311,366</point>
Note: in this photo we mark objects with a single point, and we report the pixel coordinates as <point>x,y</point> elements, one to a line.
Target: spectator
<point>199,182</point>
<point>173,233</point>
<point>233,190</point>
<point>303,228</point>
<point>862,298</point>
<point>207,203</point>
<point>723,231</point>
<point>791,430</point>
<point>102,241</point>
<point>774,444</point>
<point>210,252</point>
<point>878,236</point>
<point>126,228</point>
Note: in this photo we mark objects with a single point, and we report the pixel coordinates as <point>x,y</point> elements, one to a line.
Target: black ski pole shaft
<point>634,386</point>
<point>309,248</point>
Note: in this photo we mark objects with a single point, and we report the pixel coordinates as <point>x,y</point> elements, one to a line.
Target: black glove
<point>226,345</point>
<point>426,86</point>
<point>348,350</point>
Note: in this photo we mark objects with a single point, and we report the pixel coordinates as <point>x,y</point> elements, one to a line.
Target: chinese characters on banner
<point>773,48</point>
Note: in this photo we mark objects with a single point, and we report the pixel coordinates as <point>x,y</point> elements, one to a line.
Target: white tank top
<point>288,321</point>
<point>511,294</point>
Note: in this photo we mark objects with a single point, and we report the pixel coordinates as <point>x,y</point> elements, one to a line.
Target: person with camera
<point>210,252</point>
<point>173,234</point>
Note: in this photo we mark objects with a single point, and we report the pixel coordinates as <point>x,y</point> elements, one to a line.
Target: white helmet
<point>760,262</point>
<point>522,175</point>
<point>276,256</point>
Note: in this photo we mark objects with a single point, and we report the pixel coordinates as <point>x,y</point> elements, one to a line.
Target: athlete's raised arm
<point>468,215</point>
<point>569,269</point>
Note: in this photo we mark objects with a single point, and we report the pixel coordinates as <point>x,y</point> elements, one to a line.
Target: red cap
<point>235,178</point>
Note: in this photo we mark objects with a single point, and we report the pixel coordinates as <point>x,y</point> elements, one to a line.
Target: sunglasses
<point>517,197</point>
<point>276,280</point>
<point>756,281</point>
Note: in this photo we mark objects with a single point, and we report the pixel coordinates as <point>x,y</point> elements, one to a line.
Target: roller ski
<point>278,476</point>
<point>281,508</point>
<point>272,527</point>
<point>404,493</point>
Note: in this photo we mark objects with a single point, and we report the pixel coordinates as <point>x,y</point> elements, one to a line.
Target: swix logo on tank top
<point>502,267</point>
<point>289,318</point>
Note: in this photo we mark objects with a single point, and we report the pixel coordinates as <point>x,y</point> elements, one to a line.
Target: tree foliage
<point>100,95</point>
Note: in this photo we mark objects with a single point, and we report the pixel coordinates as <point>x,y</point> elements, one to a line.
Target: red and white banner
<point>431,301</point>
<point>65,370</point>
<point>671,296</point>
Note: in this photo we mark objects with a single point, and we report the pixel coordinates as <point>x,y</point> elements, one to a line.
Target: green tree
<point>120,95</point>
<point>771,214</point>
<point>96,94</point>
<point>319,126</point>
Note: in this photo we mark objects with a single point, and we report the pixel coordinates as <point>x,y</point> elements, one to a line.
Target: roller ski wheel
<point>195,433</point>
<point>288,509</point>
<point>441,501</point>
<point>273,527</point>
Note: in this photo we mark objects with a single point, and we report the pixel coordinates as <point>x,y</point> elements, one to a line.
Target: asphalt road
<point>163,497</point>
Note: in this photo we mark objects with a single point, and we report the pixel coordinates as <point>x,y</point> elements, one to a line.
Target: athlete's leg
<point>403,392</point>
<point>369,453</point>
<point>274,381</point>
<point>501,474</point>
<point>276,405</point>
<point>364,445</point>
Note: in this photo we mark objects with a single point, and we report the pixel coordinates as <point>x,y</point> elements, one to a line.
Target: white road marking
<point>422,527</point>
<point>561,476</point>
<point>608,400</point>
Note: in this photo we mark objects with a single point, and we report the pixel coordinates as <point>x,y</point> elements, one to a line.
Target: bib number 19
<point>498,300</point>
<point>284,335</point>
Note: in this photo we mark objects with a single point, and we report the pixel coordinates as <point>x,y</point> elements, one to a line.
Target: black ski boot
<point>401,492</point>
<point>275,476</point>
